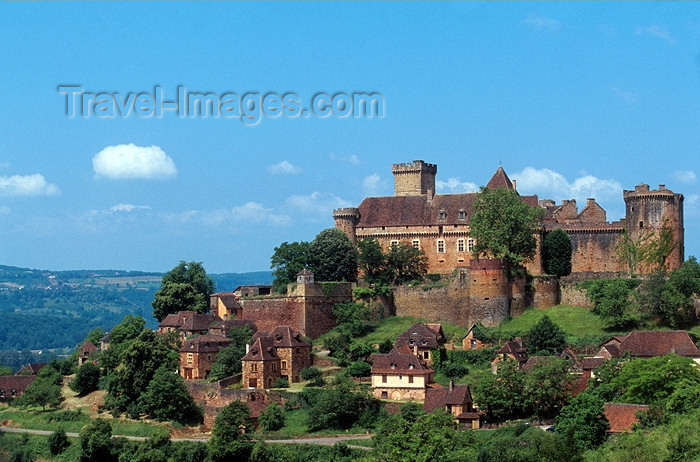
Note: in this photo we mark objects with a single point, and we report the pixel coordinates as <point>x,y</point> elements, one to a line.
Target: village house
<point>12,386</point>
<point>86,350</point>
<point>198,354</point>
<point>400,375</point>
<point>647,344</point>
<point>281,353</point>
<point>421,339</point>
<point>456,400</point>
<point>225,305</point>
<point>188,323</point>
<point>514,350</point>
<point>470,342</point>
<point>31,369</point>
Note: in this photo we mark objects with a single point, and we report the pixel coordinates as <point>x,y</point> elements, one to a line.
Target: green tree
<point>406,263</point>
<point>96,442</point>
<point>86,379</point>
<point>230,440</point>
<point>372,261</point>
<point>312,374</point>
<point>58,442</point>
<point>359,369</point>
<point>611,299</point>
<point>502,395</point>
<point>120,337</point>
<point>288,260</point>
<point>167,398</point>
<point>548,386</point>
<point>43,391</point>
<point>5,370</point>
<point>228,360</point>
<point>333,257</point>
<point>272,418</point>
<point>185,287</point>
<point>582,421</point>
<point>556,253</point>
<point>504,226</point>
<point>546,338</point>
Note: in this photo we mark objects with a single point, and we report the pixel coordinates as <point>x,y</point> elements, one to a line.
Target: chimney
<point>452,384</point>
<point>415,350</point>
<point>514,184</point>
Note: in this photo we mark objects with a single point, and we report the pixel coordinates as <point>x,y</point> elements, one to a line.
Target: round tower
<point>648,211</point>
<point>346,220</point>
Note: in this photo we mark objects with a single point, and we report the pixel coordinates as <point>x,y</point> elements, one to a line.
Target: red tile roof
<point>659,343</point>
<point>229,299</point>
<point>622,416</point>
<point>262,349</point>
<point>438,398</point>
<point>15,382</point>
<point>282,337</point>
<point>588,364</point>
<point>32,368</point>
<point>500,180</point>
<point>396,363</point>
<point>206,344</point>
<point>87,348</point>
<point>198,322</point>
<point>175,319</point>
<point>515,348</point>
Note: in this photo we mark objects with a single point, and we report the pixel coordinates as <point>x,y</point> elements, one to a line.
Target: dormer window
<point>424,341</point>
<point>393,365</point>
<point>442,215</point>
<point>462,215</point>
<point>410,366</point>
<point>410,341</point>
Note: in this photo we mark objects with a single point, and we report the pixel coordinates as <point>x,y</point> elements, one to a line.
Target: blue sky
<point>575,100</point>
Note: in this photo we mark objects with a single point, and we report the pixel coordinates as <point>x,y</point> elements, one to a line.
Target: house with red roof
<point>456,400</point>
<point>199,353</point>
<point>401,376</point>
<point>650,343</point>
<point>188,323</point>
<point>622,417</point>
<point>86,350</point>
<point>422,339</point>
<point>225,305</point>
<point>515,350</point>
<point>12,386</point>
<point>281,353</point>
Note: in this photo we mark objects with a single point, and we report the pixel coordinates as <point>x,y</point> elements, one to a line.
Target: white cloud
<point>542,22</point>
<point>126,161</point>
<point>373,185</point>
<point>352,159</point>
<point>454,185</point>
<point>251,212</point>
<point>687,177</point>
<point>656,31</point>
<point>284,167</point>
<point>26,185</point>
<point>128,208</point>
<point>548,184</point>
<point>317,204</point>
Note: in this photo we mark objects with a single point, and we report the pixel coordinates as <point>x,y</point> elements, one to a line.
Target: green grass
<point>39,446</point>
<point>393,326</point>
<point>39,420</point>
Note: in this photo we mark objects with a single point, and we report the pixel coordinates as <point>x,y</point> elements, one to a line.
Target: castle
<point>439,223</point>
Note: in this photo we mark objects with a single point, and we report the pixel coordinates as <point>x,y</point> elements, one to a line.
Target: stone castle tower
<point>648,211</point>
<point>414,179</point>
<point>346,220</point>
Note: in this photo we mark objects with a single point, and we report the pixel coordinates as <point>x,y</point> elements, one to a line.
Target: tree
<point>120,337</point>
<point>43,391</point>
<point>272,418</point>
<point>5,370</point>
<point>373,262</point>
<point>359,369</point>
<point>96,442</point>
<point>402,263</point>
<point>288,260</point>
<point>546,338</point>
<point>86,379</point>
<point>548,386</point>
<point>556,253</point>
<point>582,421</point>
<point>185,287</point>
<point>502,395</point>
<point>230,440</point>
<point>58,442</point>
<point>228,360</point>
<point>333,257</point>
<point>312,374</point>
<point>504,226</point>
<point>167,398</point>
<point>611,302</point>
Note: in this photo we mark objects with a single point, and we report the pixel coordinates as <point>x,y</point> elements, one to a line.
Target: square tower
<point>414,179</point>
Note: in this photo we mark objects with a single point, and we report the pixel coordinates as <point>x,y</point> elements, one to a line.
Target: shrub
<point>281,382</point>
<point>313,374</point>
<point>359,369</point>
<point>58,442</point>
<point>272,418</point>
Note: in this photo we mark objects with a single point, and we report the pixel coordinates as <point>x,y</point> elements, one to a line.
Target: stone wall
<point>595,251</point>
<point>213,399</point>
<point>546,292</point>
<point>269,312</point>
<point>572,294</point>
<point>449,303</point>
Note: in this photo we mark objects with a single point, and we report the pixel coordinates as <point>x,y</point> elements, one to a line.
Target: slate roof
<point>262,349</point>
<point>175,319</point>
<point>438,398</point>
<point>421,335</point>
<point>396,363</point>
<point>588,364</point>
<point>206,344</point>
<point>15,382</point>
<point>282,337</point>
<point>500,180</point>
<point>87,348</point>
<point>622,416</point>
<point>199,322</point>
<point>659,343</point>
<point>516,348</point>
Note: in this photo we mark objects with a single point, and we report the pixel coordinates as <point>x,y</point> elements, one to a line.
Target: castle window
<point>462,214</point>
<point>274,367</point>
<point>190,358</point>
<point>394,243</point>
<point>284,364</point>
<point>253,367</point>
<point>383,378</point>
<point>416,244</point>
<point>441,246</point>
<point>641,224</point>
<point>460,245</point>
<point>470,245</point>
<point>443,215</point>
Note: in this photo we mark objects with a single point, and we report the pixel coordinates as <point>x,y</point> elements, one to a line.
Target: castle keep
<point>439,223</point>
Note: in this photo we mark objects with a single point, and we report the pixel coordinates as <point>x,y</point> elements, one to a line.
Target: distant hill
<point>43,309</point>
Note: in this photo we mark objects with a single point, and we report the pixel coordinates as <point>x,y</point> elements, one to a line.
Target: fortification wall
<point>439,304</point>
<point>572,294</point>
<point>270,312</point>
<point>595,250</point>
<point>213,399</point>
<point>546,292</point>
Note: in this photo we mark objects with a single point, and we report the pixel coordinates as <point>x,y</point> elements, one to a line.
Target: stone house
<point>421,339</point>
<point>456,400</point>
<point>198,354</point>
<point>470,342</point>
<point>85,351</point>
<point>288,355</point>
<point>225,305</point>
<point>400,375</point>
<point>514,350</point>
<point>647,344</point>
<point>188,323</point>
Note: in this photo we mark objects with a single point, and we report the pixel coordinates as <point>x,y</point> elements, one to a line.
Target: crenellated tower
<point>346,220</point>
<point>414,179</point>
<point>648,210</point>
